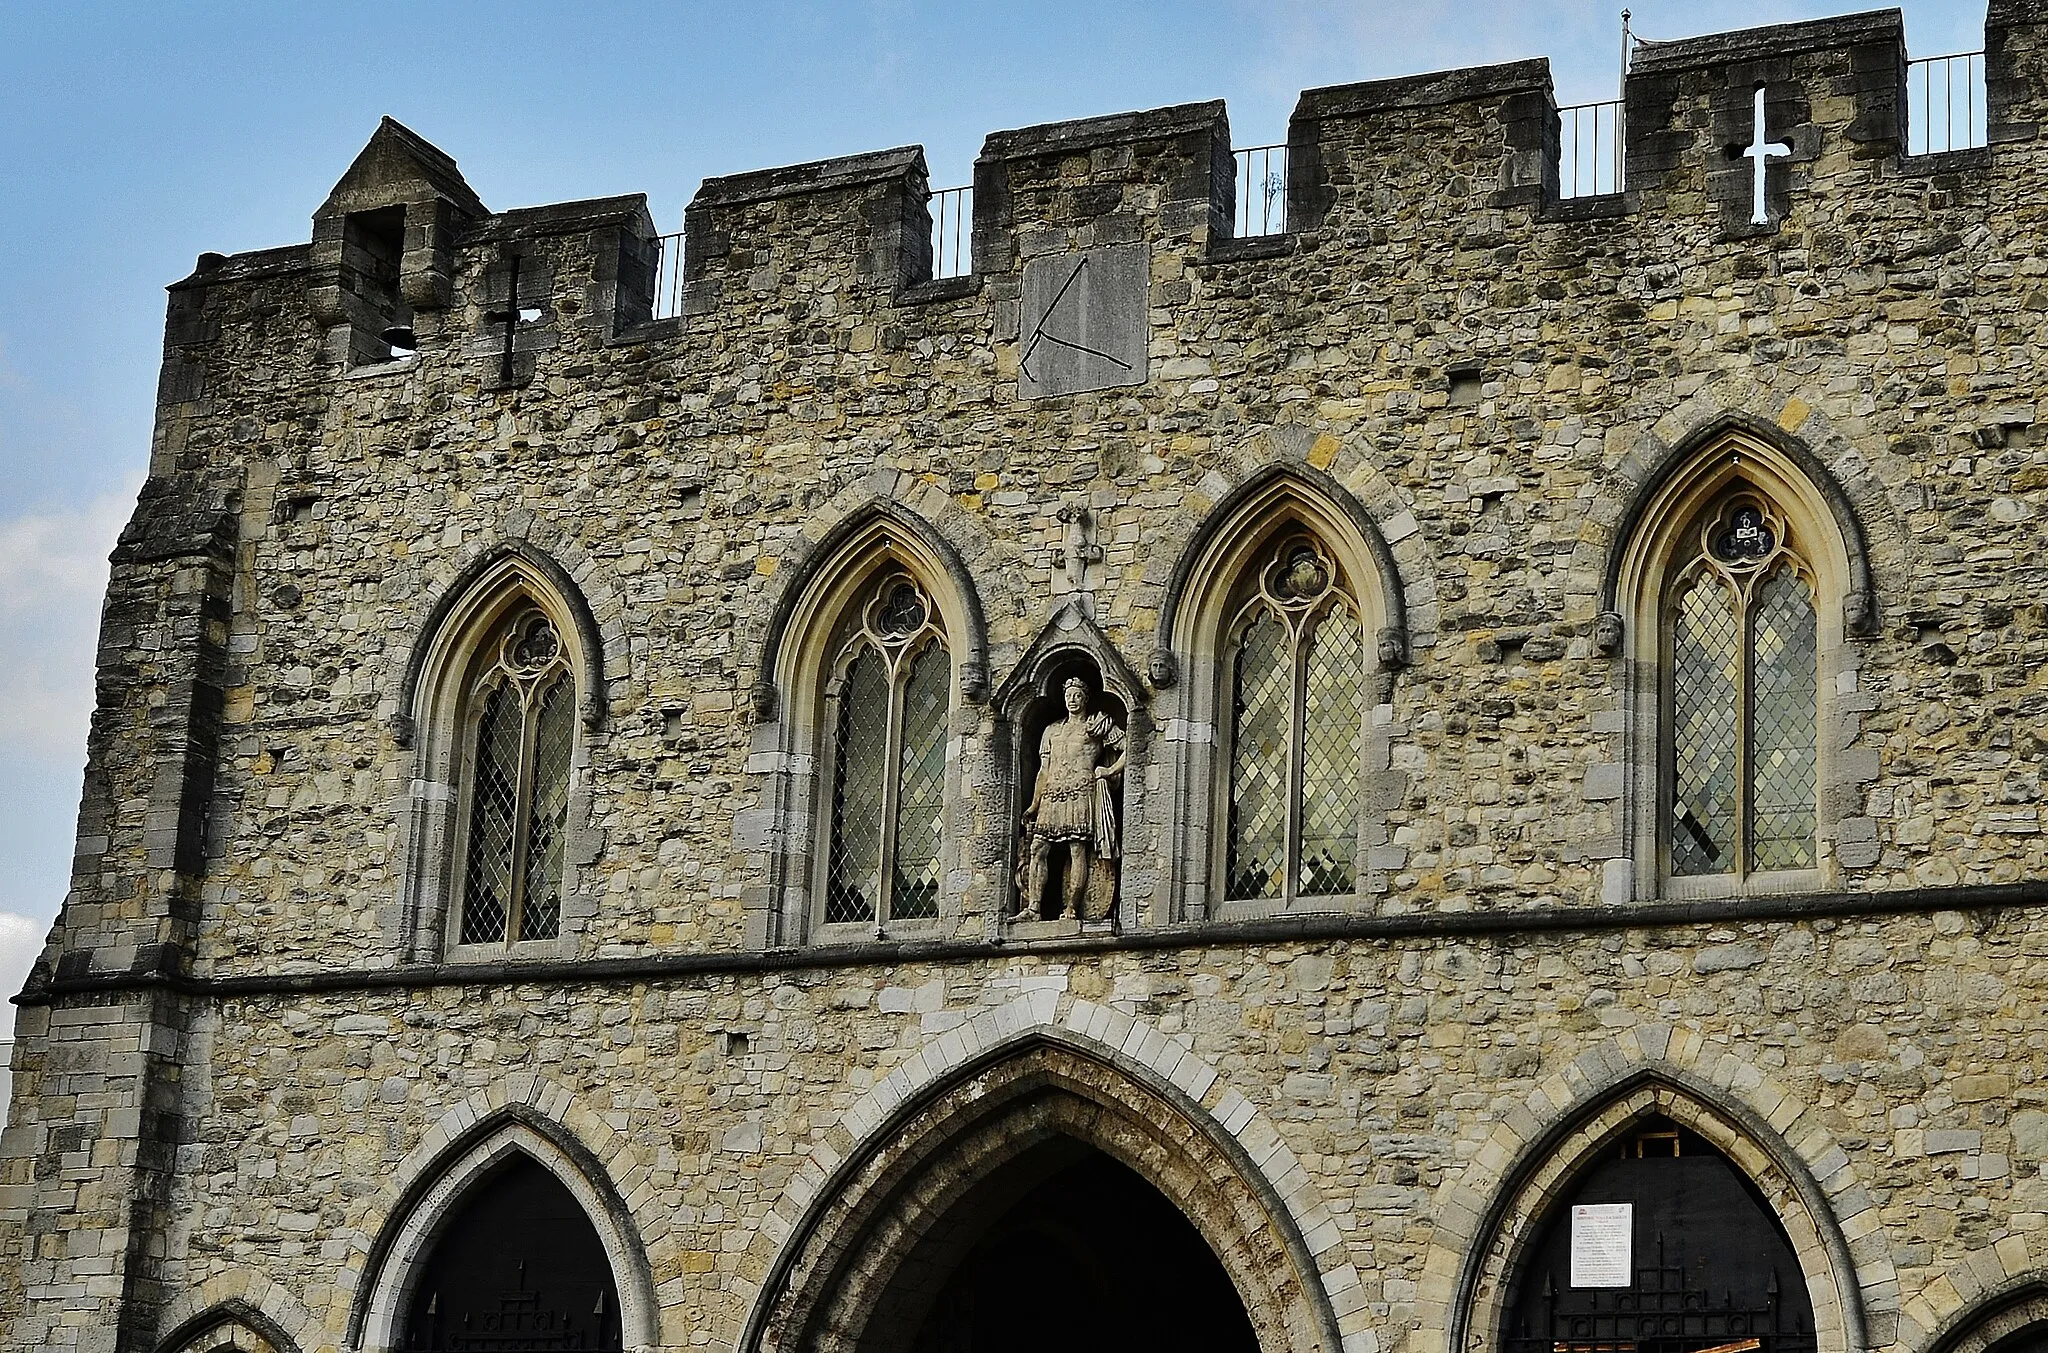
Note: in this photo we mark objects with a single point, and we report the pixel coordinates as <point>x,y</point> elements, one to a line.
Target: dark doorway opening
<point>1699,1262</point>
<point>519,1266</point>
<point>1076,1252</point>
<point>2029,1339</point>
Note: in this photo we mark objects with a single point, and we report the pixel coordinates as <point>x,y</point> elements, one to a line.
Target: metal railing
<point>1589,146</point>
<point>952,232</point>
<point>1945,107</point>
<point>668,276</point>
<point>1261,191</point>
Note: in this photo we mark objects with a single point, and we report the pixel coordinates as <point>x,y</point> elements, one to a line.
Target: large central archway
<point>1064,1247</point>
<point>1046,1198</point>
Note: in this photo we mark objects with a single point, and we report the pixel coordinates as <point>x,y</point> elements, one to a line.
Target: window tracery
<point>889,701</point>
<point>1296,684</point>
<point>1742,697</point>
<point>522,731</point>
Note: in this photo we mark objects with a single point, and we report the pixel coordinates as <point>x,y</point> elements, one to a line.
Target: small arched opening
<point>516,1265</point>
<point>1658,1244</point>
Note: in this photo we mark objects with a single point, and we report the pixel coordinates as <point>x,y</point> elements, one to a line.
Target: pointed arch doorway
<point>1660,1245</point>
<point>1066,1247</point>
<point>1045,1197</point>
<point>517,1266</point>
<point>510,1236</point>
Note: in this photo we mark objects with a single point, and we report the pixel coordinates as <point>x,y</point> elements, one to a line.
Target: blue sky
<point>135,136</point>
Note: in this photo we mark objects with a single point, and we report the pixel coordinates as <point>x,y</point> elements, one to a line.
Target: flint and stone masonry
<point>254,1059</point>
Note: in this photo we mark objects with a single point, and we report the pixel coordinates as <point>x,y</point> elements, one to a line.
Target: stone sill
<point>1591,207</point>
<point>1515,922</point>
<point>1968,159</point>
<point>1251,247</point>
<point>939,289</point>
<point>1066,928</point>
<point>652,331</point>
<point>370,370</point>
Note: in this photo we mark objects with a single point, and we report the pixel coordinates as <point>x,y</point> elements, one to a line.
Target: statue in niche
<point>1072,814</point>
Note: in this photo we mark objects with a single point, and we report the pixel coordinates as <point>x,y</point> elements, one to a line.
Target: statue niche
<point>1069,831</point>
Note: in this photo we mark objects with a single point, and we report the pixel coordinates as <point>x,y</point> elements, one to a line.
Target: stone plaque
<point>1083,324</point>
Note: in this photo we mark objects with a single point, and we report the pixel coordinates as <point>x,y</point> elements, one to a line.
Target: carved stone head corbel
<point>1607,631</point>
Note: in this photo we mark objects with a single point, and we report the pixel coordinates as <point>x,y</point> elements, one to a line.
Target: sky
<point>133,137</point>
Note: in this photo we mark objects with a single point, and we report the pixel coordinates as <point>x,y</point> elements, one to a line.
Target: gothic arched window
<point>520,727</point>
<point>1295,677</point>
<point>888,705</point>
<point>1741,697</point>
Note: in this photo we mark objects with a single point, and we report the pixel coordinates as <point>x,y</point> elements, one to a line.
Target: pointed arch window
<point>521,731</point>
<point>1296,678</point>
<point>1741,698</point>
<point>889,702</point>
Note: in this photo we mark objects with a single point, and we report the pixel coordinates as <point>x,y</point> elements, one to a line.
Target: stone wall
<point>240,1052</point>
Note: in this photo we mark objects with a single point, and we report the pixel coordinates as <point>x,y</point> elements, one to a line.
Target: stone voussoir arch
<point>919,515</point>
<point>1486,1217</point>
<point>1128,1073</point>
<point>1325,473</point>
<point>600,1166</point>
<point>235,1312</point>
<point>1998,1291</point>
<point>1864,516</point>
<point>556,566</point>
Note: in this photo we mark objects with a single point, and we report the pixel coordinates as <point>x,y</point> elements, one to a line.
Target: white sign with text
<point>1601,1252</point>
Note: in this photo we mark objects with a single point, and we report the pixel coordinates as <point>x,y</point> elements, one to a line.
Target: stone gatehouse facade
<point>1466,776</point>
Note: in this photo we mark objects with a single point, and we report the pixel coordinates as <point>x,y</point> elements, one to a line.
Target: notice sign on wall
<point>1601,1254</point>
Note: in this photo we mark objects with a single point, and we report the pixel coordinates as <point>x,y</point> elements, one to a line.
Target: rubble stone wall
<point>240,1052</point>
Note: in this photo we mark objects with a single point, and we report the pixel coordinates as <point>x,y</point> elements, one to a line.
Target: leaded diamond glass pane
<point>493,809</point>
<point>540,909</point>
<point>1784,770</point>
<point>921,792</point>
<point>854,871</point>
<point>1261,693</point>
<point>1706,674</point>
<point>1332,727</point>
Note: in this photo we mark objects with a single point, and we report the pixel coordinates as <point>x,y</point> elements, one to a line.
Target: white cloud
<point>53,572</point>
<point>21,940</point>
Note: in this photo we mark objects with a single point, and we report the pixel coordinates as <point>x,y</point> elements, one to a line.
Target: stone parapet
<point>1475,137</point>
<point>2016,71</point>
<point>1164,175</point>
<point>746,236</point>
<point>1834,96</point>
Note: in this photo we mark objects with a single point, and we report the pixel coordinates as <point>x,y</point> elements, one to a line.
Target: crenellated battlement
<point>404,252</point>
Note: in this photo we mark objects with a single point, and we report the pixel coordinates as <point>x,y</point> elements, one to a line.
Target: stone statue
<point>1073,807</point>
